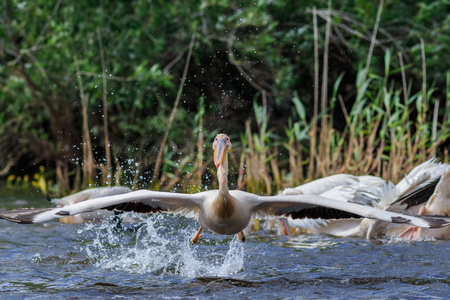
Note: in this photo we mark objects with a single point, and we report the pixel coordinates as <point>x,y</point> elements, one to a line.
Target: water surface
<point>153,258</point>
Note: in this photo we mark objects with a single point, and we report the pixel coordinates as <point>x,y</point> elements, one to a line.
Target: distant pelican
<point>223,211</point>
<point>340,187</point>
<point>424,191</point>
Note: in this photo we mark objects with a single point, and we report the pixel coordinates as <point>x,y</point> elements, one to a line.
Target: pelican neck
<point>222,174</point>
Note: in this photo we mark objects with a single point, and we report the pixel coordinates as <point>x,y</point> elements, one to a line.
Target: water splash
<point>160,244</point>
<point>311,242</point>
<point>396,239</point>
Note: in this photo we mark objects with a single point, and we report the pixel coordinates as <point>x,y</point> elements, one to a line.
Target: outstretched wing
<point>139,201</point>
<point>311,206</point>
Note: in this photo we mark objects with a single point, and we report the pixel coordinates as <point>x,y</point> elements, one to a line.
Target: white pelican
<point>341,187</point>
<point>323,185</point>
<point>424,191</point>
<point>223,211</point>
<point>84,195</point>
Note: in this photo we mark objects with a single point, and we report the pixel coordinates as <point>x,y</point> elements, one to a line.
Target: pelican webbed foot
<point>412,233</point>
<point>197,236</point>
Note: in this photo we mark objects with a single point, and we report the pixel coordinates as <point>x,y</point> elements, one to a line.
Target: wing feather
<point>140,201</point>
<point>417,194</point>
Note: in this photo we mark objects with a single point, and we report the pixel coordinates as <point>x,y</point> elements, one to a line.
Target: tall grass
<point>387,133</point>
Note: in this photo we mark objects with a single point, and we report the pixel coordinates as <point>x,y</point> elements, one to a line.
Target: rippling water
<point>153,258</point>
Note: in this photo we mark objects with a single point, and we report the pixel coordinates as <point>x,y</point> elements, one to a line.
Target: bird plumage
<point>91,193</point>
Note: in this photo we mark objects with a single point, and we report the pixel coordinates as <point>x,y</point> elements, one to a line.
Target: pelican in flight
<point>224,211</point>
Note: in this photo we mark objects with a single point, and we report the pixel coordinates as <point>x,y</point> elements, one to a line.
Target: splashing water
<point>160,244</point>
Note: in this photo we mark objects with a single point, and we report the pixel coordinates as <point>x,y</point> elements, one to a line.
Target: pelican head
<point>221,146</point>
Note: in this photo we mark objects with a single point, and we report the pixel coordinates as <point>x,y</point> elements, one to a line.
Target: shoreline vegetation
<point>147,123</point>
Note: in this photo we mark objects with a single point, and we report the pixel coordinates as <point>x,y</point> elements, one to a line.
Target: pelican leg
<point>413,232</point>
<point>241,236</point>
<point>197,236</point>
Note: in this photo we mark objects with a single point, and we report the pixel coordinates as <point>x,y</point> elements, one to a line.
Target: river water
<point>152,258</point>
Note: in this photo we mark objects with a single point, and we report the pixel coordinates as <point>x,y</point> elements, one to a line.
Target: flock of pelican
<point>424,191</point>
<point>419,203</point>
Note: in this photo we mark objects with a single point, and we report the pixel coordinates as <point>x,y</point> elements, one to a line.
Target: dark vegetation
<point>133,92</point>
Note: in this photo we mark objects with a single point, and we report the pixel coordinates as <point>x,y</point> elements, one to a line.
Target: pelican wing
<point>300,206</point>
<point>417,194</point>
<point>140,201</point>
<point>428,169</point>
<point>92,193</point>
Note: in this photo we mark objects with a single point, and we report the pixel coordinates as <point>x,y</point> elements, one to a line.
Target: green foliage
<point>241,49</point>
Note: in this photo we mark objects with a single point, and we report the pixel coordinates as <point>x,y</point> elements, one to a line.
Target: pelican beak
<point>221,146</point>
